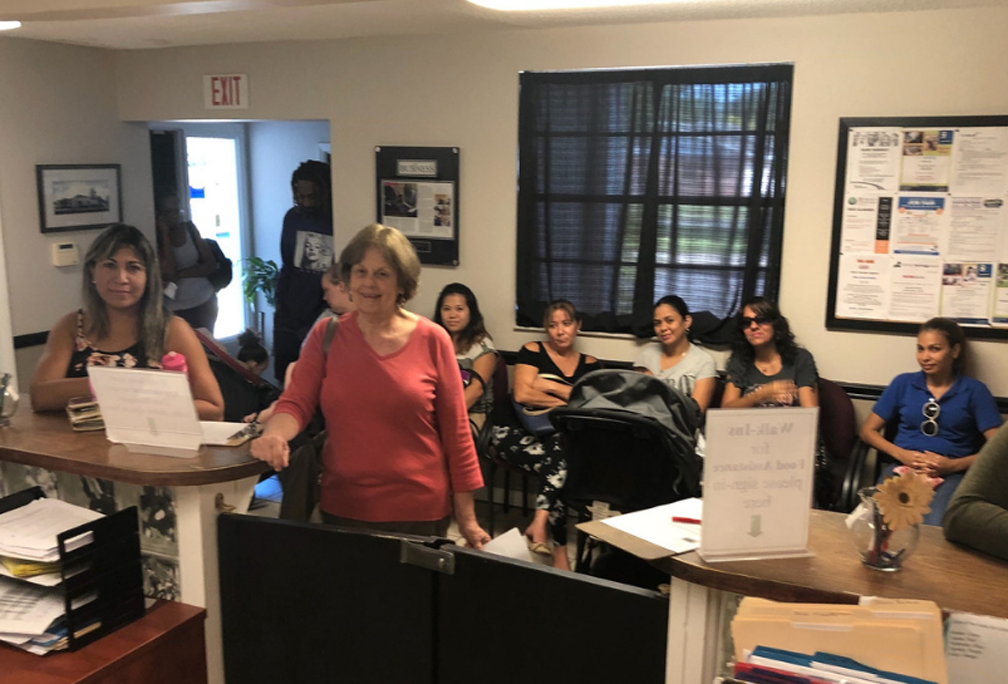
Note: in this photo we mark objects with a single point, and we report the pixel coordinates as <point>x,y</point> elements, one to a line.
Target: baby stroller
<point>630,442</point>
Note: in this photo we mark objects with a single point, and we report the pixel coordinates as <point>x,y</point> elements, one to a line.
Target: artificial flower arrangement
<point>900,503</point>
<point>905,499</point>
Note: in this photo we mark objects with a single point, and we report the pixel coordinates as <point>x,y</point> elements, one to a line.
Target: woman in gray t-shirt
<point>458,312</point>
<point>674,360</point>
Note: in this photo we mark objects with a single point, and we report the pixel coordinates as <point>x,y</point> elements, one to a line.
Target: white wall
<point>462,90</point>
<point>57,106</point>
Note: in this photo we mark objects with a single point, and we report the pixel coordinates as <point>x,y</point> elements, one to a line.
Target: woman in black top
<point>533,386</point>
<point>122,323</point>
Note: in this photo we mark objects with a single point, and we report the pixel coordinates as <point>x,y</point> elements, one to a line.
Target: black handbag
<point>223,273</point>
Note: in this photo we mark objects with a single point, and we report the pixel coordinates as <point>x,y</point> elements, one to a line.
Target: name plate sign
<point>757,490</point>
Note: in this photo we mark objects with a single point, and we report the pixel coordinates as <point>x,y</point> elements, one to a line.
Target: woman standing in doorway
<point>186,261</point>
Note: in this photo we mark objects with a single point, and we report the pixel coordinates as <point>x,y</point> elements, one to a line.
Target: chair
<point>864,469</point>
<point>624,458</point>
<point>484,444</point>
<point>838,429</point>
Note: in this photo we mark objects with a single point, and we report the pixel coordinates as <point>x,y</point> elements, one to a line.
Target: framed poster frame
<point>904,191</point>
<point>417,191</point>
<point>78,196</point>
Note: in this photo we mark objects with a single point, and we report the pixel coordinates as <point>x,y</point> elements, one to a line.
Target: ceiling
<point>144,24</point>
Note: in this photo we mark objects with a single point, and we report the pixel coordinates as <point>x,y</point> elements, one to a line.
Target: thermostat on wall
<point>64,254</point>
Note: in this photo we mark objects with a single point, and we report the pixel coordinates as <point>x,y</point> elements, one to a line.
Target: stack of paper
<point>674,526</point>
<point>884,641</point>
<point>29,532</point>
<point>31,609</point>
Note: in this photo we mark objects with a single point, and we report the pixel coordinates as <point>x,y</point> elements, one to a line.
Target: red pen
<point>685,521</point>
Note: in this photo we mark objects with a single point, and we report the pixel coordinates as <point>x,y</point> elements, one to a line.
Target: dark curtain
<point>637,184</point>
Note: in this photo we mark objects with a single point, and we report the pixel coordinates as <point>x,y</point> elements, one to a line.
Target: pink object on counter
<point>173,361</point>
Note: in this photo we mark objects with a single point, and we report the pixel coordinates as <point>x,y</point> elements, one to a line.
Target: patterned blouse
<point>85,355</point>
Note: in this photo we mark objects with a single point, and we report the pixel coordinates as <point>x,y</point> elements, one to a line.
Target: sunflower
<point>904,500</point>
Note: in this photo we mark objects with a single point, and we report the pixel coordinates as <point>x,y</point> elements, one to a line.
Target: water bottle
<point>173,361</point>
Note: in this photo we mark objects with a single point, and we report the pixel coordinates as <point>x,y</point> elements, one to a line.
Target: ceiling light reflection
<point>536,5</point>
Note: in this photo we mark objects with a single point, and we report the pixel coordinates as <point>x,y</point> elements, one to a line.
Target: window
<point>637,184</point>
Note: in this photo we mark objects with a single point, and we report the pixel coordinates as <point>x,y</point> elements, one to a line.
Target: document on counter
<point>976,646</point>
<point>674,526</point>
<point>152,412</point>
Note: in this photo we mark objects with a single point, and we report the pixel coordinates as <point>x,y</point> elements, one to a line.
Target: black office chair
<point>632,458</point>
<point>864,469</point>
<point>838,430</point>
<point>486,450</point>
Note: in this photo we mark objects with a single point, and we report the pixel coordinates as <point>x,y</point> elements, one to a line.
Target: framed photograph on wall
<point>78,196</point>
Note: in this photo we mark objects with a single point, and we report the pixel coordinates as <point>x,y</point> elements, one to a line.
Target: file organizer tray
<point>102,580</point>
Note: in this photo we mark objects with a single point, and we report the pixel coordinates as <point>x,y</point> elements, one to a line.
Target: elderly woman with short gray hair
<point>399,454</point>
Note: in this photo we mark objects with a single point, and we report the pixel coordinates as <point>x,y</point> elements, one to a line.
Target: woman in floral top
<point>123,323</point>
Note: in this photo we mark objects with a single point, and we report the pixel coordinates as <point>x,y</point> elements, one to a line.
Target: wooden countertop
<point>956,578</point>
<point>167,639</point>
<point>46,440</point>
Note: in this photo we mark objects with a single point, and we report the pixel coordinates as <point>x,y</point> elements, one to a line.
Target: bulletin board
<point>920,225</point>
<point>418,193</point>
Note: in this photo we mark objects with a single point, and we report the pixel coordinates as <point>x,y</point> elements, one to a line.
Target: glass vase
<point>8,400</point>
<point>880,547</point>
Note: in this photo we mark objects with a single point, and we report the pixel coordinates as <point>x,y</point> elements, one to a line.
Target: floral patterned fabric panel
<point>156,505</point>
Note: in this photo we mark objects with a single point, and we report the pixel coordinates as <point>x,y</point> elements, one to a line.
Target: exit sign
<point>225,91</point>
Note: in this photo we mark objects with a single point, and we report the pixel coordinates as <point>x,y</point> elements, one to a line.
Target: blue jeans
<point>943,494</point>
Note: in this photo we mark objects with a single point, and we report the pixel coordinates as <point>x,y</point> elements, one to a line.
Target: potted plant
<point>260,277</point>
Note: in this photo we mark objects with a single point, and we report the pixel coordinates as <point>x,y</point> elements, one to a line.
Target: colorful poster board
<point>919,224</point>
<point>417,192</point>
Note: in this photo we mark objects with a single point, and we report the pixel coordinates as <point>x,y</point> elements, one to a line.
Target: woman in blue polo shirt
<point>943,417</point>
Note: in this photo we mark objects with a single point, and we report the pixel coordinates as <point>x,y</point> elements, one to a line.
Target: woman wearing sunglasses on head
<point>767,367</point>
<point>943,417</point>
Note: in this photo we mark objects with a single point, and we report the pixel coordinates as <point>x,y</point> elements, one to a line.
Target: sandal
<point>541,548</point>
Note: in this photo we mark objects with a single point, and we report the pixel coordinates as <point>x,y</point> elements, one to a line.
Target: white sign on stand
<point>757,491</point>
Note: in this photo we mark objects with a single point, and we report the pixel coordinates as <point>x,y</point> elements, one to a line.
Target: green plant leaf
<point>260,276</point>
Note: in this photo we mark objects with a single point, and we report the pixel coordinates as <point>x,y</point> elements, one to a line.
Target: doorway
<point>197,156</point>
<point>214,206</point>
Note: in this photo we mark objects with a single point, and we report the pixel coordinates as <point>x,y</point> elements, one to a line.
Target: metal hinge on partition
<point>437,560</point>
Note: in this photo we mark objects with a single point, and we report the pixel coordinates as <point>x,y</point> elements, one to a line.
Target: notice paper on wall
<point>758,469</point>
<point>976,647</point>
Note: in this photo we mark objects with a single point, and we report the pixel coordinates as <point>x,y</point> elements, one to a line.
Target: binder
<point>102,583</point>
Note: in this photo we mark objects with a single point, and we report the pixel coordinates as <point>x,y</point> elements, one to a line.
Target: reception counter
<point>45,440</point>
<point>955,578</point>
<point>178,500</point>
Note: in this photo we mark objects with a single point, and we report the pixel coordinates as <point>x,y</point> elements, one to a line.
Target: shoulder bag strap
<point>330,333</point>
